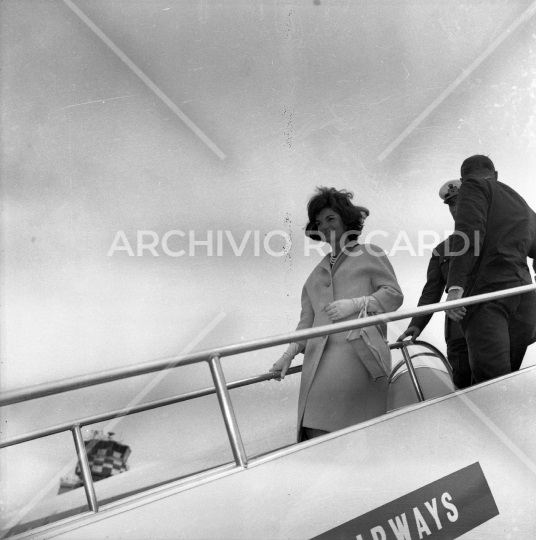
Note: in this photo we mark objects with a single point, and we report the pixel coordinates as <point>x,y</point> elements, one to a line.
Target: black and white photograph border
<point>177,356</point>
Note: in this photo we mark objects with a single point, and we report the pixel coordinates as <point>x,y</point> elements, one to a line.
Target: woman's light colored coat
<point>364,271</point>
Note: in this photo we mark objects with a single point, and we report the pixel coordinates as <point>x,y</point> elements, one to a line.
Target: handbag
<point>371,347</point>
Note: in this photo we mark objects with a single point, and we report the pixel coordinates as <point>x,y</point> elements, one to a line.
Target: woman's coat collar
<point>324,263</point>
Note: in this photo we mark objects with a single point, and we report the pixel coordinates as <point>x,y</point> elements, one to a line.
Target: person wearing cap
<point>495,232</point>
<point>436,281</point>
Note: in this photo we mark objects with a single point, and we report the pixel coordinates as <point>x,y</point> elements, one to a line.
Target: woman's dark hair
<point>353,217</point>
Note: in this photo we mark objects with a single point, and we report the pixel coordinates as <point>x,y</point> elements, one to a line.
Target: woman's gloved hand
<point>340,309</point>
<point>280,368</point>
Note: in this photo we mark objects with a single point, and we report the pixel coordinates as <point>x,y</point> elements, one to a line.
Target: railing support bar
<point>411,371</point>
<point>227,410</point>
<point>84,466</point>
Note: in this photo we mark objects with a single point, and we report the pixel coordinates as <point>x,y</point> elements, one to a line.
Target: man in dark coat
<point>495,232</point>
<point>436,281</point>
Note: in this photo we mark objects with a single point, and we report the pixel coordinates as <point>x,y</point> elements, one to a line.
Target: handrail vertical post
<point>84,466</point>
<point>227,410</point>
<point>411,371</point>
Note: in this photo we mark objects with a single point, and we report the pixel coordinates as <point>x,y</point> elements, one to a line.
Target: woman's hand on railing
<point>280,368</point>
<point>413,332</point>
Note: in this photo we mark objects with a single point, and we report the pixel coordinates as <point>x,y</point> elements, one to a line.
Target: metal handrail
<point>37,391</point>
<point>155,404</point>
<point>118,413</point>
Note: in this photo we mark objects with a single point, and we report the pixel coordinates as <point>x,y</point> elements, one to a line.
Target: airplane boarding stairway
<point>459,465</point>
<point>476,445</point>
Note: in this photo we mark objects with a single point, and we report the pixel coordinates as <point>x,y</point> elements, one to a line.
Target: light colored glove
<point>340,309</point>
<point>280,368</point>
<point>413,332</point>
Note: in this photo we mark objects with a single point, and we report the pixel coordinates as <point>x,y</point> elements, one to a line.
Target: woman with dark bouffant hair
<point>336,389</point>
<point>353,217</point>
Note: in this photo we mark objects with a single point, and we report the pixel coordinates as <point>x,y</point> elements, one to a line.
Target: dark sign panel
<point>443,510</point>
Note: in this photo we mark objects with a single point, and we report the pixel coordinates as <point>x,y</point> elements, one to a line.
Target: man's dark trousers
<point>497,336</point>
<point>458,357</point>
